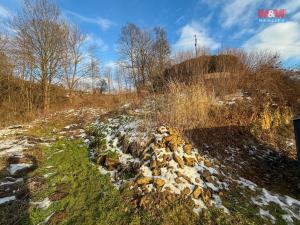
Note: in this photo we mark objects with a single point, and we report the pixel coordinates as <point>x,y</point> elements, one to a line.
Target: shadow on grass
<point>246,156</point>
<point>16,186</point>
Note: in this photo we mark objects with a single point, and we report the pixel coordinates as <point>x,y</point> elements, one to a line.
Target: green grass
<point>92,198</point>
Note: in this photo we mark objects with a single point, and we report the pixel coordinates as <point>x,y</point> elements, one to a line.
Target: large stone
<point>167,157</point>
<point>178,159</point>
<point>178,180</point>
<point>188,149</point>
<point>186,191</point>
<point>143,180</point>
<point>156,172</point>
<point>206,196</point>
<point>153,164</point>
<point>207,176</point>
<point>135,149</point>
<point>173,146</point>
<point>187,178</point>
<point>111,163</point>
<point>125,144</point>
<point>159,183</point>
<point>189,161</point>
<point>168,138</point>
<point>199,158</point>
<point>197,191</point>
<point>208,163</point>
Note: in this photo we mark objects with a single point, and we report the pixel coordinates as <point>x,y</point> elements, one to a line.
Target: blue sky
<point>218,24</point>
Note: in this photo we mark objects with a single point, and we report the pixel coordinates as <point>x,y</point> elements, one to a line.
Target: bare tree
<point>162,51</point>
<point>127,49</point>
<point>107,75</point>
<point>93,72</point>
<point>42,35</point>
<point>144,53</point>
<point>73,70</point>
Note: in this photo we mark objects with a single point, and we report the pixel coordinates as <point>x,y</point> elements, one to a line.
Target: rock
<point>189,161</point>
<point>156,172</point>
<point>197,191</point>
<point>186,191</point>
<point>178,160</point>
<point>221,193</point>
<point>159,183</point>
<point>199,158</point>
<point>134,149</point>
<point>167,157</point>
<point>188,149</point>
<point>186,178</point>
<point>144,180</point>
<point>206,196</point>
<point>207,163</point>
<point>125,144</point>
<point>207,176</point>
<point>111,163</point>
<point>146,157</point>
<point>178,180</point>
<point>162,163</point>
<point>197,180</point>
<point>168,138</point>
<point>153,163</point>
<point>161,130</point>
<point>173,146</point>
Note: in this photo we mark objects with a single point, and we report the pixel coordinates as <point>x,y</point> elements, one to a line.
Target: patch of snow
<point>11,182</point>
<point>48,175</point>
<point>247,183</point>
<point>47,219</point>
<point>13,168</point>
<point>266,214</point>
<point>290,205</point>
<point>123,125</point>
<point>288,219</point>
<point>43,204</point>
<point>7,199</point>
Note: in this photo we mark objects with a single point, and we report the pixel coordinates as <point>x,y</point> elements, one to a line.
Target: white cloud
<point>186,40</point>
<point>92,40</point>
<point>103,23</point>
<point>4,12</point>
<point>239,12</point>
<point>283,38</point>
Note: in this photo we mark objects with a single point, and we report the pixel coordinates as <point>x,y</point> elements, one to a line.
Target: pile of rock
<point>163,163</point>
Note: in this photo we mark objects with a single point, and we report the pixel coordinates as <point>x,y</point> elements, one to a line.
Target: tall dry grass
<point>187,106</point>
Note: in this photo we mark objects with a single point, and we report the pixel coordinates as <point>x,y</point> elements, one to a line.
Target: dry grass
<point>15,110</point>
<point>187,106</point>
<point>188,97</point>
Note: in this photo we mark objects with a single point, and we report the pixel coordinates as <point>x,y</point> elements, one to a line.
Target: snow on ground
<point>288,204</point>
<point>11,182</point>
<point>14,168</point>
<point>13,130</point>
<point>13,146</point>
<point>7,199</point>
<point>176,179</point>
<point>125,126</point>
<point>266,214</point>
<point>43,204</point>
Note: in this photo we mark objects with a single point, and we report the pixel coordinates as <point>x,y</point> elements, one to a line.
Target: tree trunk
<point>45,95</point>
